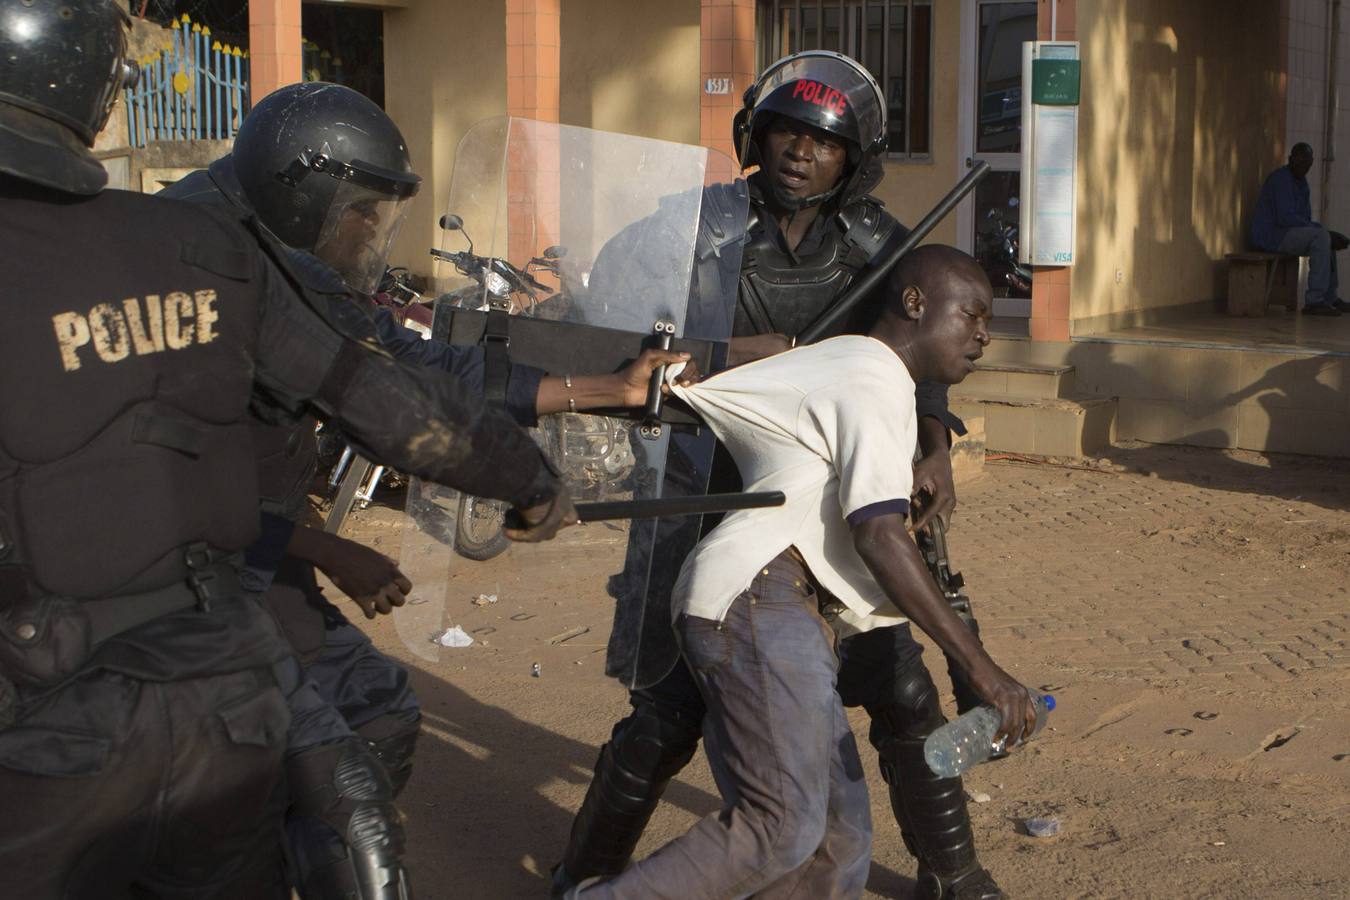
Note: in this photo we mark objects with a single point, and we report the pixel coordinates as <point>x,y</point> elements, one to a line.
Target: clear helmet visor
<point>357,235</point>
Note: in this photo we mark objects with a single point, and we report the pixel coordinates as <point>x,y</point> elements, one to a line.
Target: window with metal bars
<point>892,38</point>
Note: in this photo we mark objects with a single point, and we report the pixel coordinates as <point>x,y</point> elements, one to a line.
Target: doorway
<point>344,45</point>
<point>990,129</point>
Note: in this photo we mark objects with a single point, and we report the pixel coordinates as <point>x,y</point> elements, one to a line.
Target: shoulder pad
<point>304,270</point>
<point>722,220</point>
<point>316,273</point>
<point>193,186</point>
<point>226,251</point>
<point>319,286</point>
<point>867,225</point>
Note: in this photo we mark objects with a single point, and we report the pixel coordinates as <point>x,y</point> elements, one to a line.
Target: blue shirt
<point>465,363</point>
<point>1284,204</point>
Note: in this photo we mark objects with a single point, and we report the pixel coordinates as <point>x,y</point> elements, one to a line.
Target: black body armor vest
<point>286,452</point>
<point>784,295</point>
<point>127,360</point>
<point>287,457</point>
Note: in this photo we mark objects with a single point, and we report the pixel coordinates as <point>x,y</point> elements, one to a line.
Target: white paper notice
<point>1056,150</point>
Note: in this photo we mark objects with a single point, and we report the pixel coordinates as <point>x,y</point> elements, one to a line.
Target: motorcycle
<point>352,481</point>
<point>997,251</point>
<point>596,447</point>
<point>494,282</point>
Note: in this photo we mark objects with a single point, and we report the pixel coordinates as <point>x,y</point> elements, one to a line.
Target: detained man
<point>825,425</point>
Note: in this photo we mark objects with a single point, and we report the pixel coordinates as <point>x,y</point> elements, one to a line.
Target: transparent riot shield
<point>630,237</point>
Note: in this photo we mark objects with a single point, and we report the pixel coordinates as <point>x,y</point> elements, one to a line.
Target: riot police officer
<point>814,124</point>
<point>338,215</point>
<point>327,172</point>
<point>142,719</point>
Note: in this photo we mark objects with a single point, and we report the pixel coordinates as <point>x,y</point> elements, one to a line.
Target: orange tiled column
<point>274,45</point>
<point>727,63</point>
<point>533,38</point>
<point>1050,284</point>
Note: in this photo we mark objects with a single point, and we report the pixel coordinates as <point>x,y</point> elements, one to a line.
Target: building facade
<point>1183,109</point>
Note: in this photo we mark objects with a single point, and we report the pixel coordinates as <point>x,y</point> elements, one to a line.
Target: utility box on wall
<point>1049,152</point>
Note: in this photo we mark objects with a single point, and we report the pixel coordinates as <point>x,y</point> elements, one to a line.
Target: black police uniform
<point>351,689</point>
<point>783,290</point>
<point>369,689</point>
<point>143,727</point>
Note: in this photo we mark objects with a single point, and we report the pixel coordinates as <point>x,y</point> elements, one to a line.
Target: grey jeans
<point>795,820</point>
<point>1314,242</point>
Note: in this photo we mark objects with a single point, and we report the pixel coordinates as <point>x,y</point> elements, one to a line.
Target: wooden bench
<point>1253,276</point>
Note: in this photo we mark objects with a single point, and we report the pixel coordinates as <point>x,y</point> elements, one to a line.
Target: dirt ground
<point>1190,610</point>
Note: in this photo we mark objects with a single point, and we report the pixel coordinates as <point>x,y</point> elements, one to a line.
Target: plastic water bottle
<point>968,740</point>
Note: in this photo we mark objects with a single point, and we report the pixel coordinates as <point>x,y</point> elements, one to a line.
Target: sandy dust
<point>1189,609</point>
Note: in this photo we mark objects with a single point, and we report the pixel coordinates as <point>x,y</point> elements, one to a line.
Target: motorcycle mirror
<point>452,222</point>
<point>1013,202</point>
<point>557,251</point>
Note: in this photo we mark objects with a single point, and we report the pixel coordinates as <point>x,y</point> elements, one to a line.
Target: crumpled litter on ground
<point>1042,826</point>
<point>453,637</point>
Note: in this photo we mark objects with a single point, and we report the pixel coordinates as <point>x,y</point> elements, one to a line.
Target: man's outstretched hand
<point>371,579</point>
<point>541,522</point>
<point>637,375</point>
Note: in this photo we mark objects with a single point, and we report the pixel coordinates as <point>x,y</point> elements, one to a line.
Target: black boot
<point>935,825</point>
<point>630,776</point>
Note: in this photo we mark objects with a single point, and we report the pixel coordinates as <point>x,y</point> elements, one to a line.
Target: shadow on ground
<point>487,806</point>
<point>1316,480</point>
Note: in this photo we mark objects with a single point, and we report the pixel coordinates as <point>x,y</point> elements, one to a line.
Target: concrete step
<point>1044,426</point>
<point>1017,379</point>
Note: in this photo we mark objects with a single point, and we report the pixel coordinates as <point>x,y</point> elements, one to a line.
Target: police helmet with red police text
<point>824,89</point>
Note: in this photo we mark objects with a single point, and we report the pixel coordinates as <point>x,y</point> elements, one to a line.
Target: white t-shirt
<point>833,427</point>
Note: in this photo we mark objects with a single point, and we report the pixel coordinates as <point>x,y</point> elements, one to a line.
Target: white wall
<point>1306,110</point>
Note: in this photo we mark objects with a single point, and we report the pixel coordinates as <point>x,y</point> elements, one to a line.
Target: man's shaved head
<point>935,309</point>
<point>931,268</point>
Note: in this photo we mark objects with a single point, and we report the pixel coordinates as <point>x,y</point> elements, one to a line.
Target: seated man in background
<point>825,424</point>
<point>1283,223</point>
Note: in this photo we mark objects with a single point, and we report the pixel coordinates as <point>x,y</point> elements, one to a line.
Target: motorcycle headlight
<point>497,285</point>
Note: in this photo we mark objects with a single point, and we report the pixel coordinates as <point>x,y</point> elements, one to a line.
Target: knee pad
<point>653,747</point>
<point>393,745</point>
<point>345,787</point>
<point>912,712</point>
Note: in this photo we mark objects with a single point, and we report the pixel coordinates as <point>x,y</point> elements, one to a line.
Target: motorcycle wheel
<point>478,528</point>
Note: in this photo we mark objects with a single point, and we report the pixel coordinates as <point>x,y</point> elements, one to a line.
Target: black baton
<point>677,506</point>
<point>665,506</point>
<point>864,285</point>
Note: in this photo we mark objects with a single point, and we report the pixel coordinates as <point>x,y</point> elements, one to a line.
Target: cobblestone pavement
<point>1190,610</point>
<point>1138,573</point>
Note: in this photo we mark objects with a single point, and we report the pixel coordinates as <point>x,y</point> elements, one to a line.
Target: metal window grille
<point>892,38</point>
<point>195,88</point>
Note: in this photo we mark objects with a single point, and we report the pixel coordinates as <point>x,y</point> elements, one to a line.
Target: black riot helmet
<point>328,172</point>
<point>62,65</point>
<point>829,91</point>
